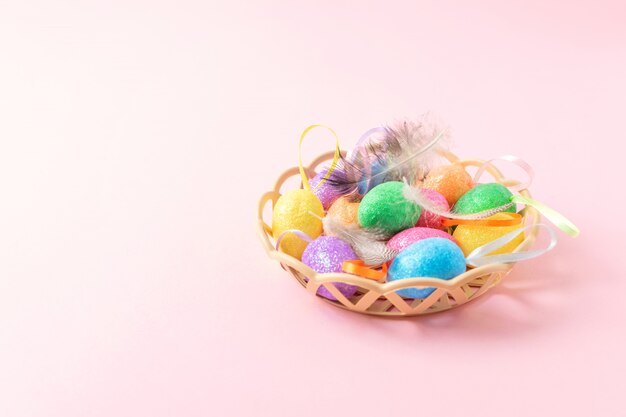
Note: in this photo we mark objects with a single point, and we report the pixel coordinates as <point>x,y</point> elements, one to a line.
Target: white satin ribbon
<point>296,232</point>
<point>480,257</point>
<point>515,160</point>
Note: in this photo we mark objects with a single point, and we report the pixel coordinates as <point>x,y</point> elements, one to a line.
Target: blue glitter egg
<point>367,182</point>
<point>434,258</point>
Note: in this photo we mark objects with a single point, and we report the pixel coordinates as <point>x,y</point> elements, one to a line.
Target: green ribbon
<point>554,216</point>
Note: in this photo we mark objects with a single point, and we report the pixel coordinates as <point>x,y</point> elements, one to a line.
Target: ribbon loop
<point>554,216</point>
<point>515,160</point>
<point>305,178</point>
<point>358,267</point>
<point>296,232</point>
<point>480,256</point>
<point>358,148</point>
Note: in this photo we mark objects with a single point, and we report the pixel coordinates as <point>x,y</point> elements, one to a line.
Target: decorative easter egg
<point>433,258</point>
<point>484,197</point>
<point>387,209</point>
<point>409,236</point>
<point>293,211</point>
<point>373,179</point>
<point>452,181</point>
<point>428,219</point>
<point>344,209</point>
<point>327,254</point>
<point>327,192</point>
<point>470,237</point>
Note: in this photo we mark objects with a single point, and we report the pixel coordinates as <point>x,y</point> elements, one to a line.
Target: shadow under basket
<point>381,298</point>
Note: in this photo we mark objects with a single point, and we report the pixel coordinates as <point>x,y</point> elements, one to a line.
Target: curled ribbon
<point>357,151</point>
<point>296,232</point>
<point>513,220</point>
<point>357,267</point>
<point>366,135</point>
<point>479,256</point>
<point>305,179</point>
<point>515,160</point>
<point>554,216</point>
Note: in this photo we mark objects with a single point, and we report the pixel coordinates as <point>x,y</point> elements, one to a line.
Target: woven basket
<point>380,298</point>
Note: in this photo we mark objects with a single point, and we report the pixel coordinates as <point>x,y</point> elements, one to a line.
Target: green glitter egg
<point>484,197</point>
<point>385,208</point>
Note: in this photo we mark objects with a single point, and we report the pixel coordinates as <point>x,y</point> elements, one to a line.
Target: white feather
<point>416,195</point>
<point>370,246</point>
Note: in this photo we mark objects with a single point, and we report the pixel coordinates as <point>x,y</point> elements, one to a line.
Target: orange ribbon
<point>358,267</point>
<point>515,219</point>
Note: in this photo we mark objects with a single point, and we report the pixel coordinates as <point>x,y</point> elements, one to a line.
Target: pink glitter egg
<point>428,219</point>
<point>415,234</point>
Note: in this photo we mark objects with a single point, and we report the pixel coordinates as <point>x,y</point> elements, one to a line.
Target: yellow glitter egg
<point>293,211</point>
<point>469,237</point>
<point>452,181</point>
<point>344,209</point>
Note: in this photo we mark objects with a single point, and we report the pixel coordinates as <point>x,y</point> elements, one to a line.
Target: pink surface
<point>136,138</point>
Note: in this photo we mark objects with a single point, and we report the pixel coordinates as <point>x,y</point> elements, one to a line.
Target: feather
<point>403,150</point>
<point>369,245</point>
<point>416,195</point>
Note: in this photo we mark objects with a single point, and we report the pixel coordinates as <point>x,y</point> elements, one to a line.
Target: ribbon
<point>514,219</point>
<point>366,135</point>
<point>357,155</point>
<point>479,256</point>
<point>554,216</point>
<point>358,267</point>
<point>305,179</point>
<point>515,160</point>
<point>296,232</point>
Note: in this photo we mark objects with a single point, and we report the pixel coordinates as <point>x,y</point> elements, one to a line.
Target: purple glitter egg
<point>409,236</point>
<point>327,254</point>
<point>428,219</point>
<point>327,192</point>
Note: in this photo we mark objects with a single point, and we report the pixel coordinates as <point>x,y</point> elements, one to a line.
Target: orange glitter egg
<point>452,181</point>
<point>345,209</point>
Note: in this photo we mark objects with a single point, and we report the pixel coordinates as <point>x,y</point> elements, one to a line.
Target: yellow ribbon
<point>305,179</point>
<point>554,216</point>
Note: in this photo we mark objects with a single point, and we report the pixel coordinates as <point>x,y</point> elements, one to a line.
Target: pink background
<point>136,138</point>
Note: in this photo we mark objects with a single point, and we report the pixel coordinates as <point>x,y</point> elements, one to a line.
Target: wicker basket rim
<point>531,216</point>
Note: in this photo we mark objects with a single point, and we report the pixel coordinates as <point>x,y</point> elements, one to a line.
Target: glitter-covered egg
<point>293,211</point>
<point>367,182</point>
<point>327,254</point>
<point>345,209</point>
<point>428,219</point>
<point>409,236</point>
<point>327,192</point>
<point>430,258</point>
<point>470,237</point>
<point>451,181</point>
<point>484,197</point>
<point>385,208</point>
